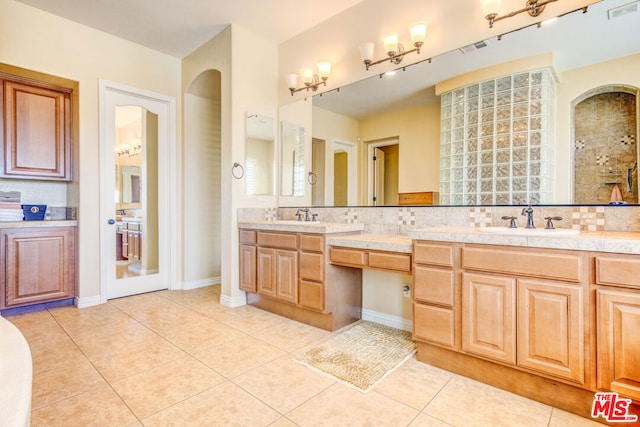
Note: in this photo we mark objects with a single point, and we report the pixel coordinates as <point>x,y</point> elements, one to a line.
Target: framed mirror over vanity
<point>492,123</point>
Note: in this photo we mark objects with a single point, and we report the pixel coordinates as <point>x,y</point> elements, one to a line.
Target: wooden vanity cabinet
<point>521,307</point>
<point>617,279</point>
<point>38,265</point>
<point>36,137</point>
<point>287,273</point>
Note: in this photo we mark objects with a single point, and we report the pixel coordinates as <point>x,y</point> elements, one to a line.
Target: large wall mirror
<point>586,52</point>
<point>259,155</point>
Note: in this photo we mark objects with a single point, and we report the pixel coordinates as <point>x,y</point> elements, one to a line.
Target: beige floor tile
<point>115,340</point>
<point>40,338</point>
<point>464,402</point>
<point>158,388</point>
<point>247,319</point>
<point>63,355</point>
<point>290,335</point>
<point>283,422</point>
<point>560,418</point>
<point>402,385</point>
<point>340,405</point>
<point>283,384</point>
<point>236,357</point>
<point>160,318</point>
<point>223,405</point>
<point>136,359</point>
<point>38,319</point>
<point>423,420</point>
<point>58,384</point>
<point>100,407</point>
<point>206,334</point>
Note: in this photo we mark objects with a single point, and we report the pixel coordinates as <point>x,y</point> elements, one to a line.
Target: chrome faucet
<point>306,214</point>
<point>528,211</point>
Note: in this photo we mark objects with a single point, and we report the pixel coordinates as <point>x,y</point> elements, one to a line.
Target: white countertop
<point>598,241</point>
<point>302,226</point>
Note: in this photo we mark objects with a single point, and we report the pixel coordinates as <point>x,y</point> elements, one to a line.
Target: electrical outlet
<point>406,291</point>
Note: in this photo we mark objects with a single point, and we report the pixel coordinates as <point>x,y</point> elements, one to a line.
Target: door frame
<point>167,156</point>
<point>370,151</point>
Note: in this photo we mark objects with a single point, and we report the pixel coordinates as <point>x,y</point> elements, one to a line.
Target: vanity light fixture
<point>310,79</point>
<point>491,7</point>
<point>131,149</point>
<point>395,51</point>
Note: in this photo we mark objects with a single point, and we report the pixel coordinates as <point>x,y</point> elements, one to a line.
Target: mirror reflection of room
<point>136,252</point>
<point>259,155</point>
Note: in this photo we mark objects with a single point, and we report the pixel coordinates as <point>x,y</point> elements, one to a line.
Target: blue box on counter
<point>34,212</point>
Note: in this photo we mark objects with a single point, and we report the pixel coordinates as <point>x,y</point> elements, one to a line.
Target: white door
<point>135,128</point>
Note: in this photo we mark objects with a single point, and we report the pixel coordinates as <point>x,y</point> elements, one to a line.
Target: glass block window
<point>496,143</point>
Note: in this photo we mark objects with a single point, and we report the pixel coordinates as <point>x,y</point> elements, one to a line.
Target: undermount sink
<point>530,231</point>
<point>296,222</point>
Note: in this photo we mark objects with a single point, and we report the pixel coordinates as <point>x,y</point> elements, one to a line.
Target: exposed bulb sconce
<point>131,149</point>
<point>395,51</point>
<point>310,79</point>
<point>491,7</point>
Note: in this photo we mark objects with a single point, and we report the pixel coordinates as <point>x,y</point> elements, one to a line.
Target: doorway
<point>344,177</point>
<point>136,133</point>
<point>383,172</point>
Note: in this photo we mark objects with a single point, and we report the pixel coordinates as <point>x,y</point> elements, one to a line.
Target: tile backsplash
<point>401,220</point>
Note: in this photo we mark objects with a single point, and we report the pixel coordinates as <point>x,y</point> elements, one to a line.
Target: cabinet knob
<point>111,221</point>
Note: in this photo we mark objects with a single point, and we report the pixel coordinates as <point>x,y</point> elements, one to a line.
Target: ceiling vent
<point>474,46</point>
<point>623,10</point>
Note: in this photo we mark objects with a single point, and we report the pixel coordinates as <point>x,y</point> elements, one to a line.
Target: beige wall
<point>36,40</point>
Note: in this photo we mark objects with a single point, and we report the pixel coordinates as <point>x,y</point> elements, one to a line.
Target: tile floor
<point>179,358</point>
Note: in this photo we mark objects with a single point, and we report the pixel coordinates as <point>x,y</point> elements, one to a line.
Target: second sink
<point>530,231</point>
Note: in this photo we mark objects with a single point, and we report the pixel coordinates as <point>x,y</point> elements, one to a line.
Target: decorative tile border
<point>271,214</point>
<point>406,216</point>
<point>351,216</point>
<point>480,217</point>
<point>588,218</point>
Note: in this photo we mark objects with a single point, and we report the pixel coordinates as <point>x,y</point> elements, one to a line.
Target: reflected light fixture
<point>491,7</point>
<point>130,149</point>
<point>394,50</point>
<point>310,79</point>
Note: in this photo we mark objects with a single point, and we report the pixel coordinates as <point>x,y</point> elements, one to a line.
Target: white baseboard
<point>233,302</point>
<point>195,284</point>
<point>387,319</point>
<point>88,301</point>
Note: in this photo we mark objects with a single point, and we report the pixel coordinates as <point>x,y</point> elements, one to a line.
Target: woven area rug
<point>362,355</point>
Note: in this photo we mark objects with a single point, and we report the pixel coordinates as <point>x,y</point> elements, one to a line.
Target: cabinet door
<point>435,325</point>
<point>37,137</point>
<point>618,320</point>
<point>551,328</point>
<point>312,295</point>
<point>248,268</point>
<point>489,316</point>
<point>267,271</point>
<point>39,264</point>
<point>287,276</point>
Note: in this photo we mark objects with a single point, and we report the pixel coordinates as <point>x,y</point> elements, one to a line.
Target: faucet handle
<point>299,215</point>
<point>512,223</point>
<point>314,217</point>
<point>550,220</point>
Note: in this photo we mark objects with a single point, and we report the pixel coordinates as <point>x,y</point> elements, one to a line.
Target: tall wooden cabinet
<point>36,119</point>
<point>38,265</point>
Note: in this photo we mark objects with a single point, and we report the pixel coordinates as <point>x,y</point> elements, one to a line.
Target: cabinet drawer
<point>433,253</point>
<point>278,240</point>
<point>618,271</point>
<point>312,242</point>
<point>388,261</point>
<point>434,324</point>
<point>247,237</point>
<point>134,226</point>
<point>434,285</point>
<point>355,257</point>
<point>312,295</point>
<point>312,266</point>
<point>532,263</point>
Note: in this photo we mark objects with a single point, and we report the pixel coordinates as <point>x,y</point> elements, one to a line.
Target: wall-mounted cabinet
<point>36,124</point>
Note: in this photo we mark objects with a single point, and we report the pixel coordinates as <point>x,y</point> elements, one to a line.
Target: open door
<point>378,177</point>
